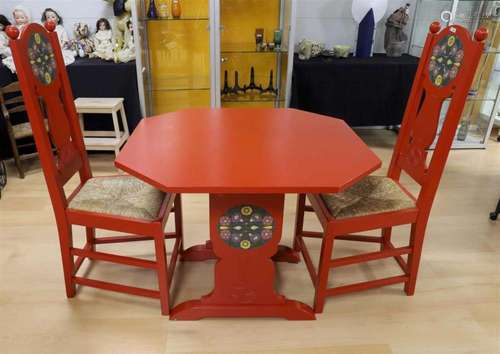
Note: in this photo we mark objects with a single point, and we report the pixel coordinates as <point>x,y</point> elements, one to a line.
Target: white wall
<point>72,11</point>
<point>331,22</point>
<point>327,21</point>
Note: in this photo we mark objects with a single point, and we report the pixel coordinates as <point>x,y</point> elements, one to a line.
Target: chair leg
<point>17,159</point>
<point>90,231</point>
<point>386,237</point>
<point>299,220</point>
<point>416,243</point>
<point>161,262</point>
<point>66,243</point>
<point>323,272</point>
<point>179,230</point>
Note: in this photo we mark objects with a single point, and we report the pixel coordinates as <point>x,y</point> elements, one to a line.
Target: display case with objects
<point>481,109</point>
<point>255,43</point>
<point>212,53</point>
<point>174,54</point>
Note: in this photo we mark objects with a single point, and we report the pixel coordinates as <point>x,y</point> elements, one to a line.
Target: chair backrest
<point>47,93</point>
<point>11,99</point>
<point>446,70</point>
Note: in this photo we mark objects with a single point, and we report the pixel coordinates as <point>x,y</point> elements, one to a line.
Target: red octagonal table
<point>246,159</point>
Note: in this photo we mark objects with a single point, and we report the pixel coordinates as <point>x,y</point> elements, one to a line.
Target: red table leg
<point>245,231</point>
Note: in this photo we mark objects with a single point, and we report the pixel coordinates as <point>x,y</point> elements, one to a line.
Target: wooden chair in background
<point>11,102</point>
<point>117,203</point>
<point>446,70</point>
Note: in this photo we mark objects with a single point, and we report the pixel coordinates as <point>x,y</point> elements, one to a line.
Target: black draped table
<point>363,92</point>
<point>91,78</point>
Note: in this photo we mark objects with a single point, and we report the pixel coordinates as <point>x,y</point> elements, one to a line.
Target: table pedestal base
<point>200,253</point>
<point>196,310</point>
<point>245,231</point>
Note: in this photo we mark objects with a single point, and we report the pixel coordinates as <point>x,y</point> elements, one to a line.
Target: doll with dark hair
<point>103,40</point>
<point>4,39</point>
<point>51,15</point>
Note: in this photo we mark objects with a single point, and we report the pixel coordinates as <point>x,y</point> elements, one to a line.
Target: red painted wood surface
<point>410,156</point>
<point>47,93</point>
<point>246,151</point>
<point>244,278</point>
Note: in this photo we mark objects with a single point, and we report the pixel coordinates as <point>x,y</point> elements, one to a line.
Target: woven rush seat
<point>372,195</point>
<point>124,196</point>
<point>23,130</point>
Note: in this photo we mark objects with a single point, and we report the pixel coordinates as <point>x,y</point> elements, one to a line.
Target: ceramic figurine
<point>51,15</point>
<point>259,39</point>
<point>21,15</point>
<point>309,49</point>
<point>82,44</point>
<point>127,53</point>
<point>176,8</point>
<point>122,11</point>
<point>278,35</point>
<point>152,12</point>
<point>103,41</point>
<point>4,39</point>
<point>395,38</point>
<point>367,13</point>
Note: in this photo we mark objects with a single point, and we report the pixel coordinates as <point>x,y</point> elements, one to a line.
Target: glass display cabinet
<point>173,55</point>
<point>215,53</point>
<point>481,109</point>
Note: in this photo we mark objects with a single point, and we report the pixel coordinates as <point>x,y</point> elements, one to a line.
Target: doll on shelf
<point>4,39</point>
<point>103,41</point>
<point>127,53</point>
<point>21,15</point>
<point>52,16</point>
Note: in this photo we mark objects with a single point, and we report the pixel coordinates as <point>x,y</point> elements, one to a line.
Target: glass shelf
<point>249,48</point>
<point>250,98</point>
<point>147,19</point>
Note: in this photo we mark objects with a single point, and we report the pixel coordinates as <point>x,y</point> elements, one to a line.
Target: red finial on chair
<point>435,27</point>
<point>12,32</point>
<point>50,26</point>
<point>481,34</point>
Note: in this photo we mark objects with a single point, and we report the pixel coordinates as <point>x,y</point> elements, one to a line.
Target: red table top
<point>246,151</point>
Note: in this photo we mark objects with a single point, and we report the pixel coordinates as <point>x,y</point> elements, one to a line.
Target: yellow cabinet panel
<point>170,101</point>
<point>179,53</point>
<point>240,18</point>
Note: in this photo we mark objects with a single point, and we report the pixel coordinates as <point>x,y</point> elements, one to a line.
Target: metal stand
<point>3,176</point>
<point>494,214</point>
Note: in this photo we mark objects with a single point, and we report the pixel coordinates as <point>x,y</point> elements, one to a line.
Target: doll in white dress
<point>22,16</point>
<point>127,52</point>
<point>52,16</point>
<point>4,39</point>
<point>103,41</point>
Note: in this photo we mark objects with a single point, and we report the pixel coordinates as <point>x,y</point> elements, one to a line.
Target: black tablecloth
<point>91,78</point>
<point>363,92</point>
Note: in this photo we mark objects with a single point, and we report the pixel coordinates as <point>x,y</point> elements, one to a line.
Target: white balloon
<point>361,7</point>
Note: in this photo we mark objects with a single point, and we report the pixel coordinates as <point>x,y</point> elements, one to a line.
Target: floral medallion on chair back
<point>446,60</point>
<point>41,58</point>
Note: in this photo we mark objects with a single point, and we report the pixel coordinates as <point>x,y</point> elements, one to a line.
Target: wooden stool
<point>103,139</point>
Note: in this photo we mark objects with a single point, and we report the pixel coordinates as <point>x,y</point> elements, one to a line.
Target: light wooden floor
<point>456,308</point>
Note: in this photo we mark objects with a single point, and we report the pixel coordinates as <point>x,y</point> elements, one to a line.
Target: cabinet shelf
<point>248,98</point>
<point>147,19</point>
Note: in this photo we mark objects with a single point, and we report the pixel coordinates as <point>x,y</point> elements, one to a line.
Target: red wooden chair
<point>446,70</point>
<point>119,203</point>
